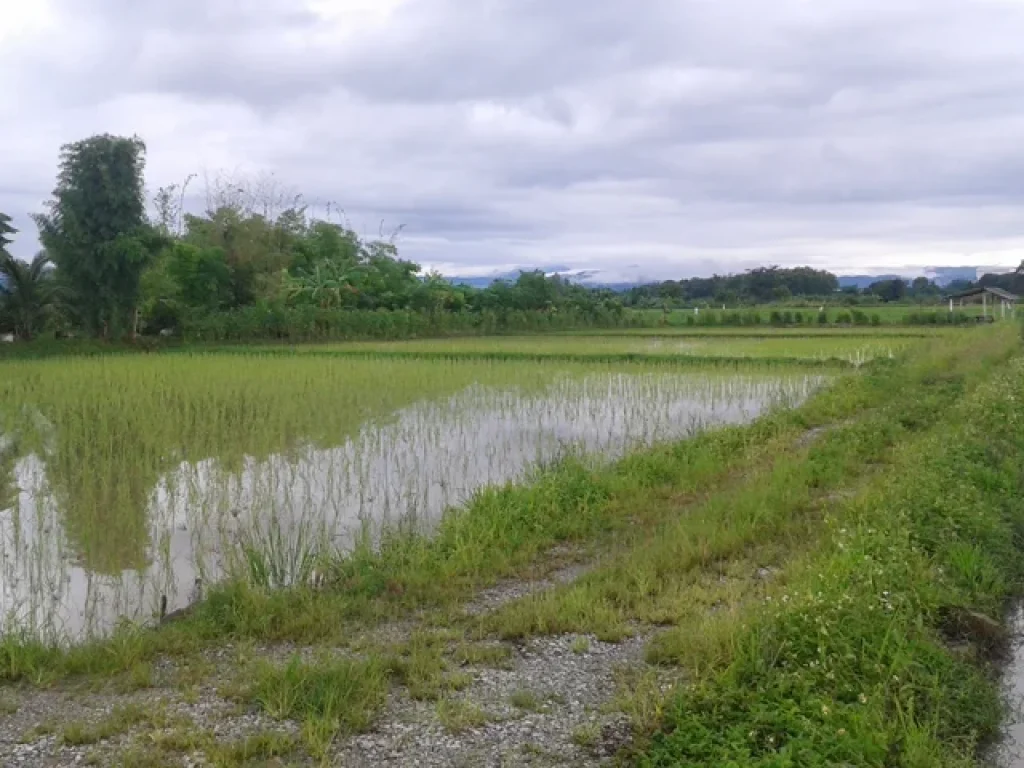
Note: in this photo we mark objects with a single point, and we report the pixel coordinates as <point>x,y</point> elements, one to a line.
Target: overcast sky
<point>655,138</point>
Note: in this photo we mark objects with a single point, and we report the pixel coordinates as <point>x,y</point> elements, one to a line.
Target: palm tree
<point>6,230</point>
<point>26,293</point>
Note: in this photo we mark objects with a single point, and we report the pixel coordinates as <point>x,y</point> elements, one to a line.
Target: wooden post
<point>951,306</point>
<point>984,304</point>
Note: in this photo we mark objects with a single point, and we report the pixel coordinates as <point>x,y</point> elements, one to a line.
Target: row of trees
<point>757,286</point>
<point>257,263</point>
<point>255,258</point>
<point>767,285</point>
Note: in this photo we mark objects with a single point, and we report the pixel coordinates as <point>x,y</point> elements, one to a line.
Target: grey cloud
<point>507,130</point>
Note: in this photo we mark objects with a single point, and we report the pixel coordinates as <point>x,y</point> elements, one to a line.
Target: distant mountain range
<point>596,278</point>
<point>589,277</point>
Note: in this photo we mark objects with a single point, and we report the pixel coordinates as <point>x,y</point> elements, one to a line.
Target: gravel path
<point>549,708</point>
<point>549,705</point>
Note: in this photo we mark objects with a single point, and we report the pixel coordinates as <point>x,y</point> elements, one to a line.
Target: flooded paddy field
<point>763,350</point>
<point>126,479</point>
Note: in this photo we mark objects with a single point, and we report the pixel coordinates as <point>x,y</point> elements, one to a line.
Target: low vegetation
<point>877,648</point>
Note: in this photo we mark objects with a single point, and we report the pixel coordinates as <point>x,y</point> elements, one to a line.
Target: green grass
<point>706,558</point>
<point>121,720</point>
<point>328,696</point>
<point>528,701</point>
<point>460,715</point>
<point>791,349</point>
<point>854,661</point>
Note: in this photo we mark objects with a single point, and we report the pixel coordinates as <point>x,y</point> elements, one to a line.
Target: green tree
<point>889,290</point>
<point>95,230</point>
<point>6,230</point>
<point>26,294</point>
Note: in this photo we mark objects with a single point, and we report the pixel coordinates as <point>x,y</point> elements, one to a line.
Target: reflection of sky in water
<point>430,456</point>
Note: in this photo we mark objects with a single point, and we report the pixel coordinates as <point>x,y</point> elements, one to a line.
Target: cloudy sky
<point>653,138</point>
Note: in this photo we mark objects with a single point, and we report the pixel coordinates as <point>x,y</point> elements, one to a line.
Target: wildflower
<point>863,699</point>
<point>825,710</point>
<point>841,732</point>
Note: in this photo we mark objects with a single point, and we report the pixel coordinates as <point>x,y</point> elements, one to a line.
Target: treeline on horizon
<point>258,265</point>
<point>775,285</point>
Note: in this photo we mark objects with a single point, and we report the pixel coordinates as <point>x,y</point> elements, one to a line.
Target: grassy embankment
<point>875,649</point>
<point>681,529</point>
<point>895,542</point>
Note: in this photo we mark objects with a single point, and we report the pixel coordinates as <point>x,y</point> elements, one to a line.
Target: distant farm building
<point>1005,301</point>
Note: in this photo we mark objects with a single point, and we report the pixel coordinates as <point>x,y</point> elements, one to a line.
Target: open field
<point>551,550</point>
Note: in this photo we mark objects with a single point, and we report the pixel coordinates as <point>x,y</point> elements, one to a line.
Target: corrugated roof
<point>1006,295</point>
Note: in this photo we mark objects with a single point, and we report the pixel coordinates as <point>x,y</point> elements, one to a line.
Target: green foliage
<point>6,230</point>
<point>858,661</point>
<point>328,695</point>
<point>95,231</point>
<point>257,266</point>
<point>27,294</point>
<point>762,285</point>
<point>889,290</point>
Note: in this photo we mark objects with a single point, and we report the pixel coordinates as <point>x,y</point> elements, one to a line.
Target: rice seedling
<point>132,479</point>
<point>706,348</point>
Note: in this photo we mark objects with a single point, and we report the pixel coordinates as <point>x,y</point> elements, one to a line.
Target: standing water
<point>1010,753</point>
<point>270,517</point>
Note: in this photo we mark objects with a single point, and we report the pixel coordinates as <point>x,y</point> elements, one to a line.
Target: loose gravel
<point>549,705</point>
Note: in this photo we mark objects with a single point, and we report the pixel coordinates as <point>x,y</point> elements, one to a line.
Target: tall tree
<point>6,230</point>
<point>95,229</point>
<point>26,294</point>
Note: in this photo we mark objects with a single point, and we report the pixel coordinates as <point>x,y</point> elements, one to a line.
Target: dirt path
<point>545,701</point>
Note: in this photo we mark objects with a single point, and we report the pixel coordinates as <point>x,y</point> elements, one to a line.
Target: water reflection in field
<point>272,515</point>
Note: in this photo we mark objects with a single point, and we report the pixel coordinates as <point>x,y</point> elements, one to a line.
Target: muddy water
<point>269,518</point>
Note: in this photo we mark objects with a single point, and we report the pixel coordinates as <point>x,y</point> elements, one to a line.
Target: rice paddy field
<point>469,497</point>
<point>761,350</point>
<point>127,478</point>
